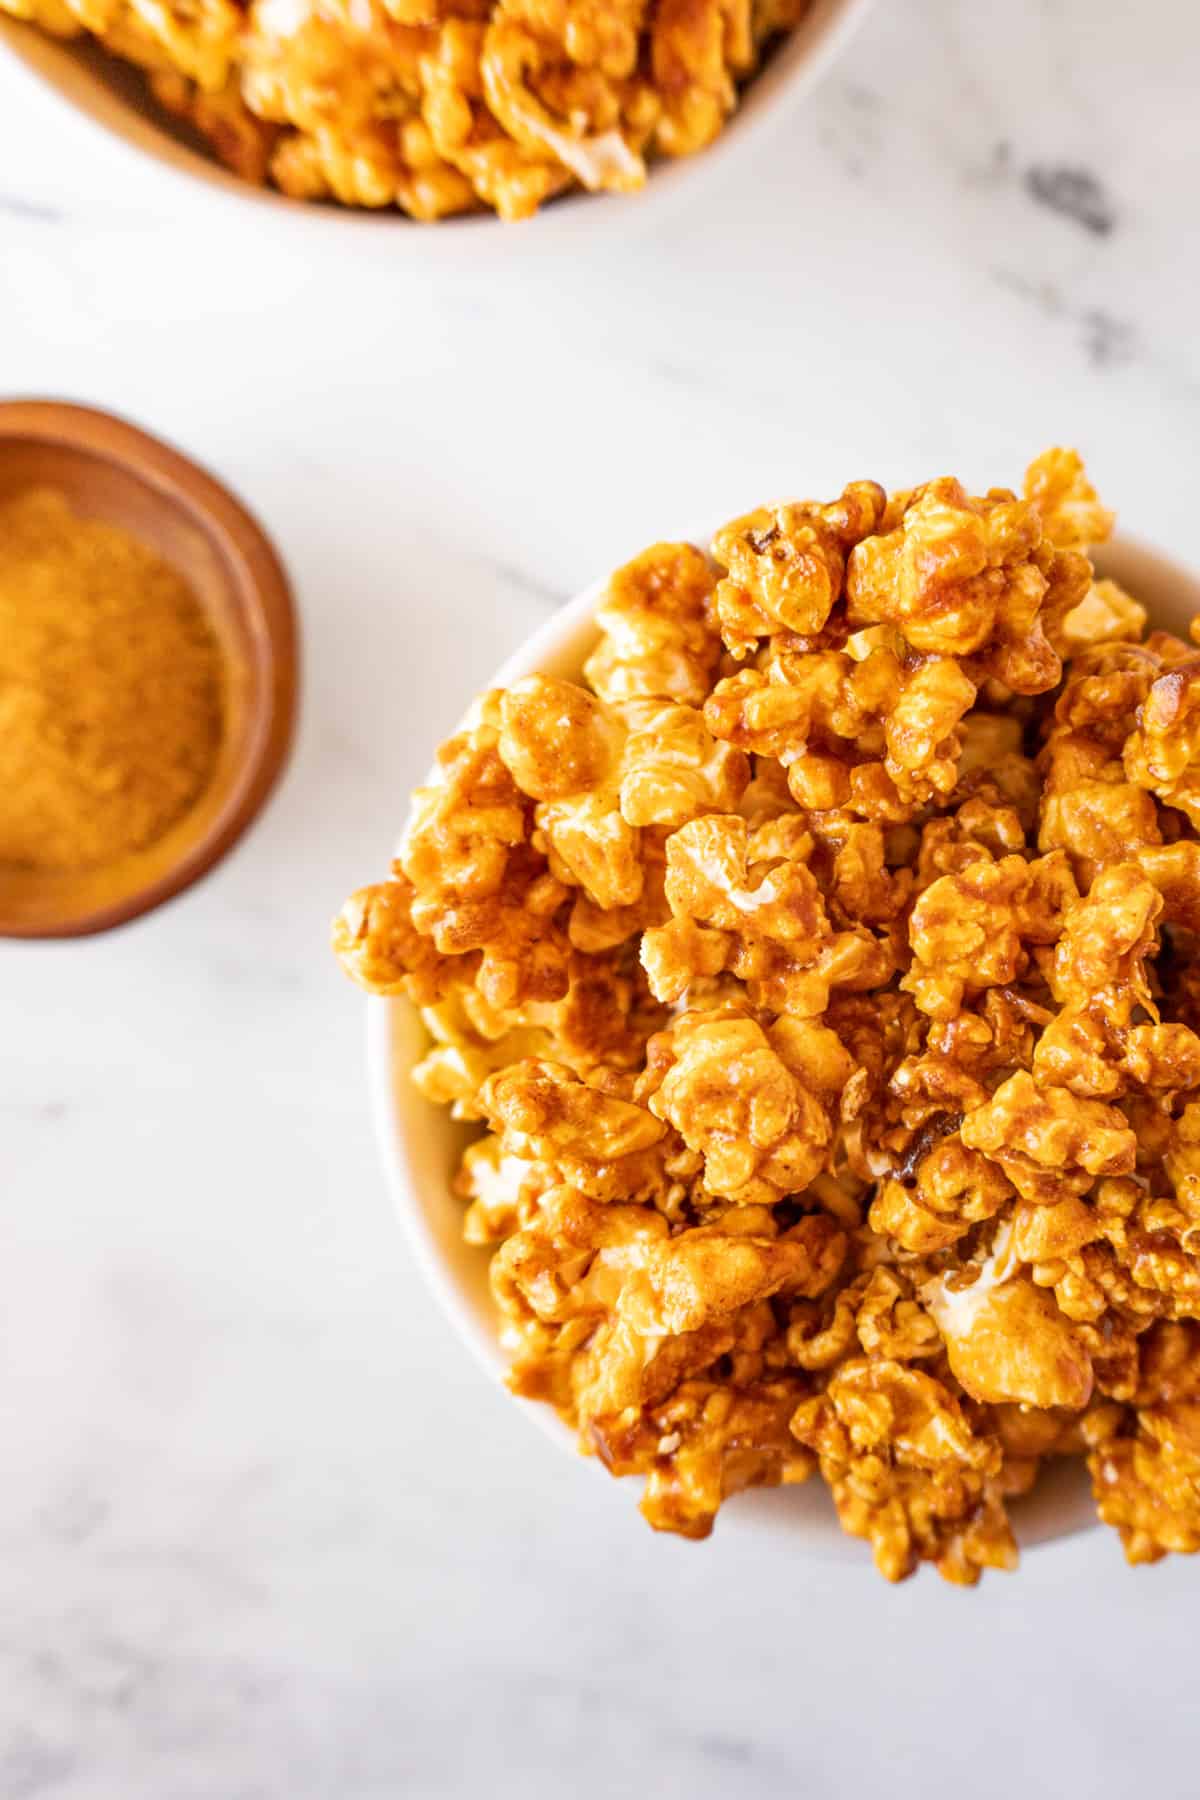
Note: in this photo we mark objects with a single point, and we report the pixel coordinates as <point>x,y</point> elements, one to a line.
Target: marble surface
<point>265,1532</point>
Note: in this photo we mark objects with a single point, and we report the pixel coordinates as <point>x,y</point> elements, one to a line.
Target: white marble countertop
<point>266,1533</point>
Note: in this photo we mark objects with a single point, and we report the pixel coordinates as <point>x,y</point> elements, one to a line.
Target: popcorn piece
<point>1089,807</point>
<point>1163,753</point>
<point>503,1191</point>
<point>1047,1142</point>
<point>892,1323</point>
<point>1100,971</point>
<point>710,1440</point>
<point>1057,487</point>
<point>1006,1340</point>
<point>1175,871</point>
<point>242,142</point>
<point>580,129</point>
<point>960,1063</point>
<point>635,1316</point>
<point>1168,1364</point>
<point>713,1270</point>
<point>673,769</point>
<point>556,740</point>
<point>863,732</point>
<point>1097,822</point>
<point>1105,615</point>
<point>1147,1482</point>
<point>849,857</point>
<point>969,578</point>
<point>793,698</point>
<point>380,948</point>
<point>979,831</point>
<point>724,1084</point>
<point>1164,1057</point>
<point>601,1144</point>
<point>452,1073</point>
<point>921,732</point>
<point>786,565</point>
<point>199,42</point>
<point>1107,936</point>
<point>696,52</point>
<point>951,1189</point>
<point>823,1333</point>
<point>974,929</point>
<point>1129,1260</point>
<point>711,879</point>
<point>906,1471</point>
<point>571,1260</point>
<point>1078,1051</point>
<point>601,34</point>
<point>595,929</point>
<point>578,817</point>
<point>506,175</point>
<point>659,641</point>
<point>992,757</point>
<point>598,775</point>
<point>1181,1158</point>
<point>344,95</point>
<point>463,827</point>
<point>478,883</point>
<point>750,904</point>
<point>604,1019</point>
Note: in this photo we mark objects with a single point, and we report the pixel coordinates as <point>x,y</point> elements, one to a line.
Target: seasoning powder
<point>110,690</point>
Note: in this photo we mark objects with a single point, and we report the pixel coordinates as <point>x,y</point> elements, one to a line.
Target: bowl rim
<point>57,68</point>
<point>1059,1507</point>
<point>258,577</point>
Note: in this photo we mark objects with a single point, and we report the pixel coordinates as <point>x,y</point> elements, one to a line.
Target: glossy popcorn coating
<point>819,975</point>
<point>438,107</point>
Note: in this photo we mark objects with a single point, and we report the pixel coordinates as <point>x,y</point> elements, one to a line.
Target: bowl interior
<point>421,1145</point>
<point>126,490</point>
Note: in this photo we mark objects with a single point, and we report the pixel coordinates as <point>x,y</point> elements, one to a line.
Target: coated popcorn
<point>438,107</point>
<point>819,977</point>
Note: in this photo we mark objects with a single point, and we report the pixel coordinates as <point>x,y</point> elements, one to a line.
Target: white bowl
<point>421,1145</point>
<point>106,93</point>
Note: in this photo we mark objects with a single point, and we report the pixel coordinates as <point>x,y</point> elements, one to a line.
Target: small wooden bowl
<point>110,470</point>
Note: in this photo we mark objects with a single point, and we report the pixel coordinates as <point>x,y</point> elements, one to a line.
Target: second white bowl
<point>107,93</point>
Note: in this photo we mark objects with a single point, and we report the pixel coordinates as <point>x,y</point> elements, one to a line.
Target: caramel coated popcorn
<point>819,975</point>
<point>438,107</point>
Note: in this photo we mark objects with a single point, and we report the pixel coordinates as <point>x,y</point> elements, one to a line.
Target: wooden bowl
<point>109,470</point>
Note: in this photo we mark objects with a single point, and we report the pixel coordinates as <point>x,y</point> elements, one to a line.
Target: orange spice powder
<point>110,690</point>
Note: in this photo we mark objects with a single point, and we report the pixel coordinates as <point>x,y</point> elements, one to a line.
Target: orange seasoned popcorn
<point>821,975</point>
<point>976,579</point>
<point>750,903</point>
<point>438,107</point>
<point>735,1096</point>
<point>659,633</point>
<point>787,563</point>
<point>907,1471</point>
<point>600,773</point>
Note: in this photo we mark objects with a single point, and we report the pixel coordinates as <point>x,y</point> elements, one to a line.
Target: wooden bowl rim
<point>259,587</point>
